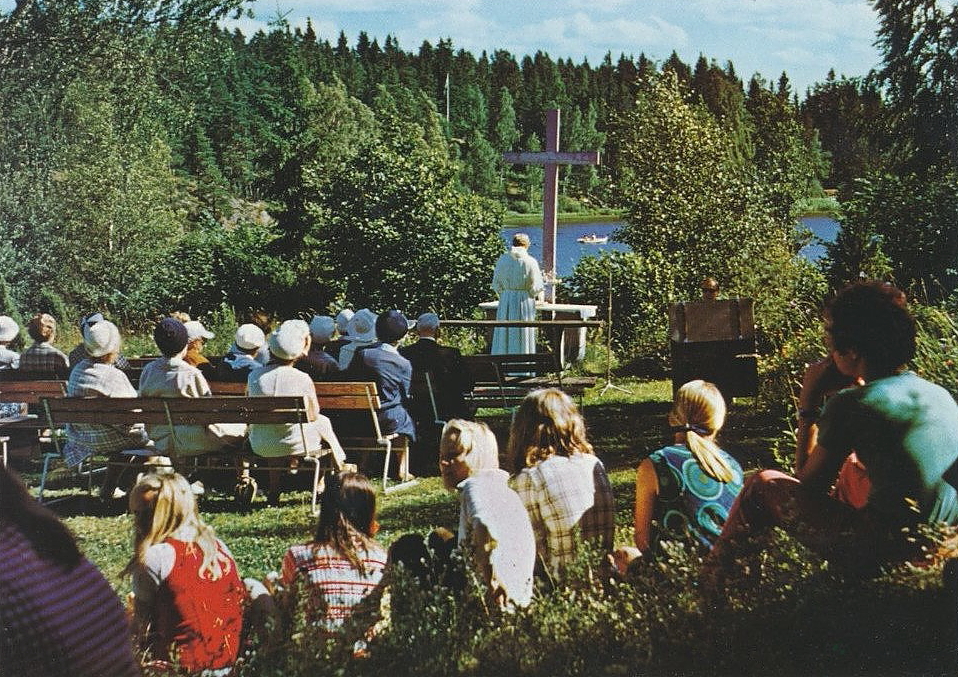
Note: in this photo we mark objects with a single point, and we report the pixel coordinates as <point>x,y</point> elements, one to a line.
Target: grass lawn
<point>788,614</point>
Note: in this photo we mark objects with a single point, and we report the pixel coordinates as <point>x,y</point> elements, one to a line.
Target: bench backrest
<point>174,410</point>
<point>31,392</point>
<point>13,375</point>
<point>347,395</point>
<point>491,368</point>
<point>332,395</point>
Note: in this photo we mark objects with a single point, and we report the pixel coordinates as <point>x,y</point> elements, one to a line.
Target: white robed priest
<point>518,281</point>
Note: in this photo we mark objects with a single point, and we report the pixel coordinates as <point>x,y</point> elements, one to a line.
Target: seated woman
<point>42,356</point>
<point>9,330</point>
<point>688,487</point>
<point>561,482</point>
<point>278,441</point>
<point>171,376</point>
<point>188,595</point>
<point>338,575</point>
<point>903,428</point>
<point>492,519</point>
<point>96,376</point>
<point>242,357</point>
<point>59,614</point>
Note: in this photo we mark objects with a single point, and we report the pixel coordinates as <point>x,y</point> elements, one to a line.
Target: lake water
<point>569,250</point>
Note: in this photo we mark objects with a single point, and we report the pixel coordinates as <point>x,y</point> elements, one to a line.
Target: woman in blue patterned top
<point>688,487</point>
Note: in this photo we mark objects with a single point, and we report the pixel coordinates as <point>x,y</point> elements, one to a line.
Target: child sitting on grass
<point>561,482</point>
<point>339,573</point>
<point>492,518</point>
<point>688,487</point>
<point>188,596</point>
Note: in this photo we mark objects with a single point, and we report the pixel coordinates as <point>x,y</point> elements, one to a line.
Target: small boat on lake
<point>593,238</point>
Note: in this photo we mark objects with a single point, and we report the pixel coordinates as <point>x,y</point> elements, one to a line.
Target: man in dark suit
<point>393,375</point>
<point>449,377</point>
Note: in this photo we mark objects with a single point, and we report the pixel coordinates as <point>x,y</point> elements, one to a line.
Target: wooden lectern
<point>714,340</point>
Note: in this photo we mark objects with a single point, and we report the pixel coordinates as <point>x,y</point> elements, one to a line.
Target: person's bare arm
<point>821,379</point>
<point>646,492</point>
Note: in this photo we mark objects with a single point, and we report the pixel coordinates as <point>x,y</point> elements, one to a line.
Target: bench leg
<point>389,446</point>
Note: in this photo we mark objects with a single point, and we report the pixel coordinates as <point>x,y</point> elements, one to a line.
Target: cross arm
<point>552,157</point>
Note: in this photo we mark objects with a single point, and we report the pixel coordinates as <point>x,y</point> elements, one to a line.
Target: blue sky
<point>805,38</point>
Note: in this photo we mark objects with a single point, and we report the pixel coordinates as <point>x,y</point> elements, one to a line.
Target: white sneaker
<point>119,493</point>
<point>198,488</point>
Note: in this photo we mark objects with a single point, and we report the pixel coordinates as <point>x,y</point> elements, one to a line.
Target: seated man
<point>79,352</point>
<point>450,378</point>
<point>42,356</point>
<point>243,355</point>
<point>393,375</point>
<point>170,376</point>
<point>97,377</point>
<point>903,428</point>
<point>319,364</point>
<point>278,441</point>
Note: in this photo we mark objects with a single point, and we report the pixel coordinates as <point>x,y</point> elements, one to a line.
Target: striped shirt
<point>568,498</point>
<point>44,357</point>
<point>57,621</point>
<point>95,379</point>
<point>335,587</point>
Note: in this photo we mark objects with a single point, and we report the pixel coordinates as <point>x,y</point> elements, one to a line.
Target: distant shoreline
<point>512,219</point>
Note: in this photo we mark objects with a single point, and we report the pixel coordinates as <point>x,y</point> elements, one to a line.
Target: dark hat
<point>391,326</point>
<point>170,336</point>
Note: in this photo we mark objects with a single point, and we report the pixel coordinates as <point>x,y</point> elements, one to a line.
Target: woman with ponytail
<point>689,486</point>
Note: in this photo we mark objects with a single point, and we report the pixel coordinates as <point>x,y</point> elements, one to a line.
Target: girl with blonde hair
<point>492,518</point>
<point>689,486</point>
<point>561,482</point>
<point>188,596</point>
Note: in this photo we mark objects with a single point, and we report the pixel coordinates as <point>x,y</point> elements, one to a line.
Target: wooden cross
<point>551,158</point>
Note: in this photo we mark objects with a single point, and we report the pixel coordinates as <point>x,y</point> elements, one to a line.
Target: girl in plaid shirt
<point>561,482</point>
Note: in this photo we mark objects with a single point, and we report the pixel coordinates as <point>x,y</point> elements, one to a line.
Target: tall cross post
<point>551,158</point>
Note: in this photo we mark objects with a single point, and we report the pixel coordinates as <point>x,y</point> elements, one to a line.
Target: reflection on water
<point>569,250</point>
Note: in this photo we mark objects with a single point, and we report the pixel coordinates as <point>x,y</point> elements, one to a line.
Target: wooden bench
<point>177,411</point>
<point>353,408</point>
<point>30,392</point>
<point>504,380</point>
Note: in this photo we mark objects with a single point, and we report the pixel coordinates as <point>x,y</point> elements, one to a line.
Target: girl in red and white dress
<point>188,595</point>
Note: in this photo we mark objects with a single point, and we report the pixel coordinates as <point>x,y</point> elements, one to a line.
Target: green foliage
<point>221,263</point>
<point>642,289</point>
<point>936,357</point>
<point>902,225</point>
<point>395,231</point>
<point>692,212</point>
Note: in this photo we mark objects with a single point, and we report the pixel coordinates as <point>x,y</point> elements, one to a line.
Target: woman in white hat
<point>8,331</point>
<point>318,363</point>
<point>362,333</point>
<point>279,441</point>
<point>242,358</point>
<point>97,377</point>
